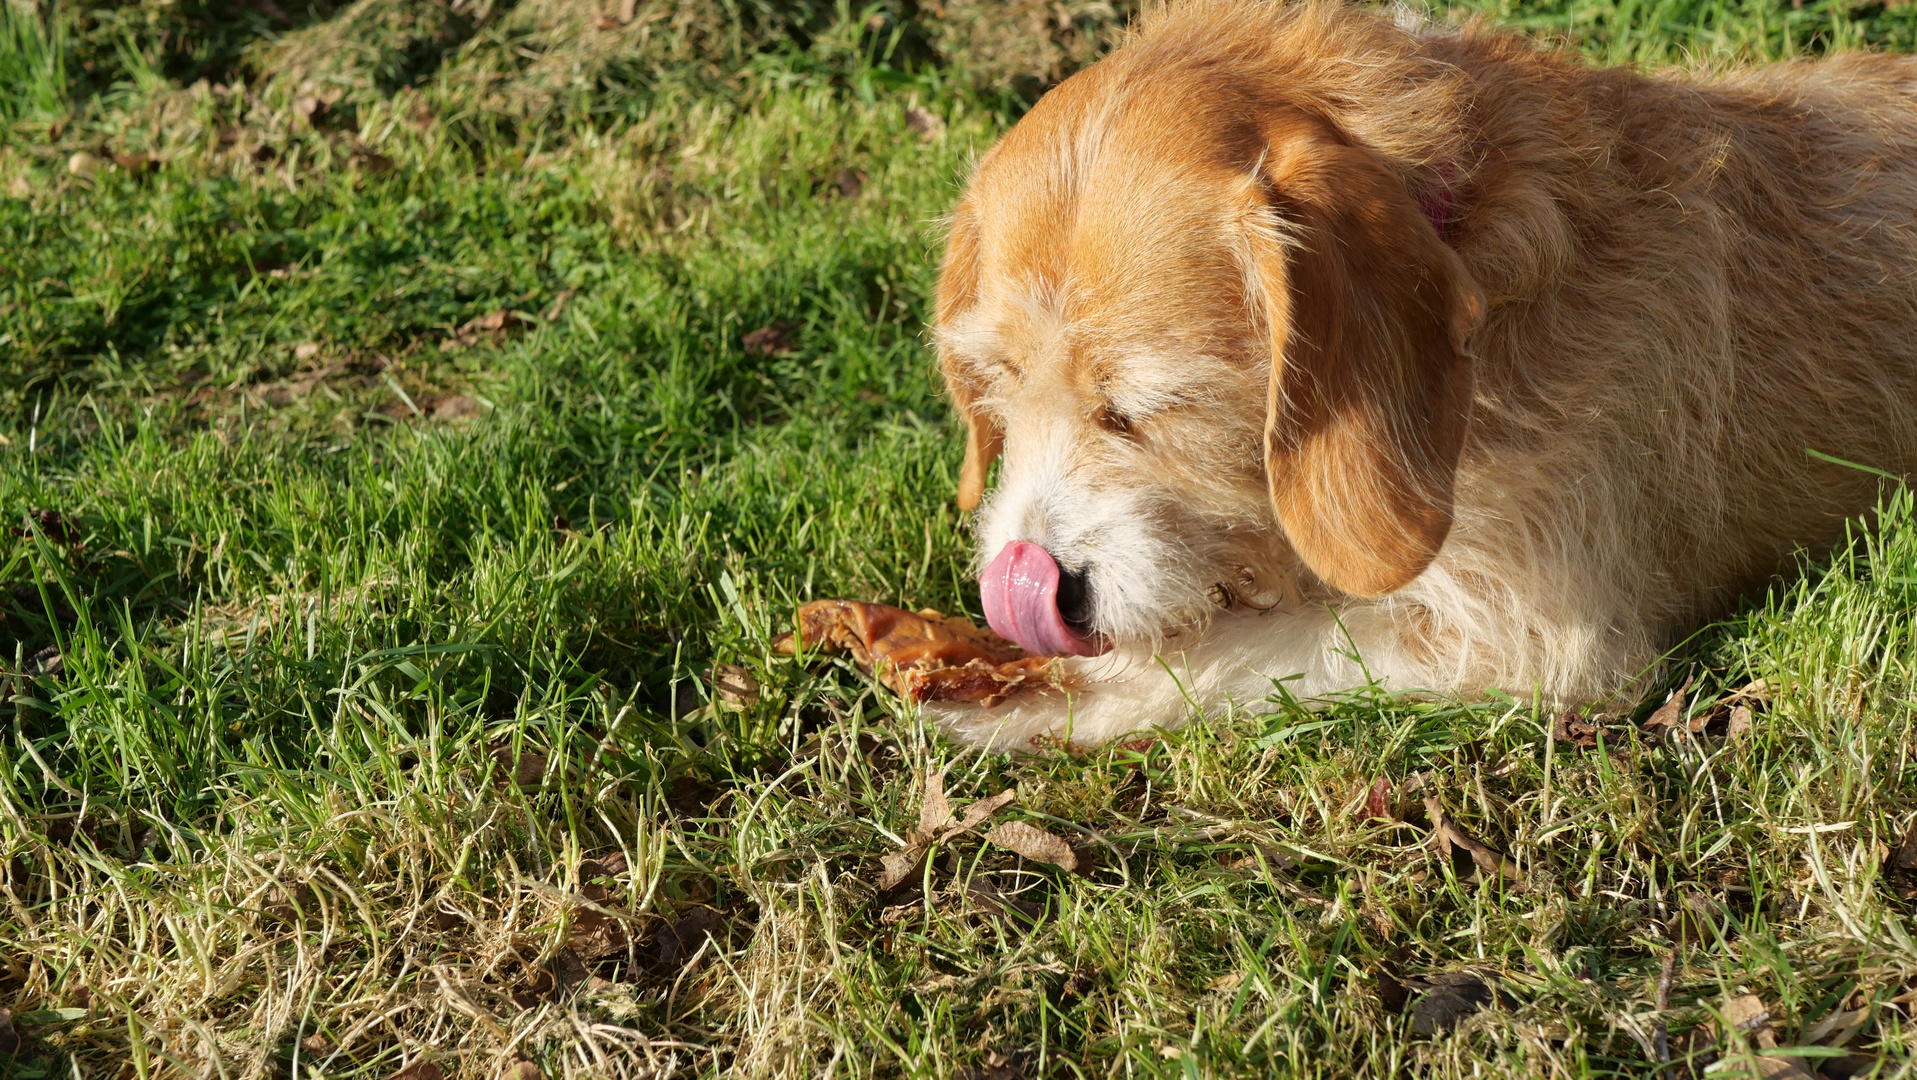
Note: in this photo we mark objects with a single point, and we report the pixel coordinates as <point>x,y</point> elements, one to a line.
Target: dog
<point>1326,351</point>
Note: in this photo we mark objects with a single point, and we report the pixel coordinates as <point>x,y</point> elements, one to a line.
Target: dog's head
<point>1215,340</point>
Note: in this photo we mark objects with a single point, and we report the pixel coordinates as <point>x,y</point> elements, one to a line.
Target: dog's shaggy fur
<point>1332,349</point>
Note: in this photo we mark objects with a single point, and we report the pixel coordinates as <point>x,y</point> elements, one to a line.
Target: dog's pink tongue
<point>1020,594</point>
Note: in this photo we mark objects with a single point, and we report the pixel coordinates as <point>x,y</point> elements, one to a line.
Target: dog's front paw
<point>1018,724</point>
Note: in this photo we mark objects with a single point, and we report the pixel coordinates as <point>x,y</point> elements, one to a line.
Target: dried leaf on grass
<point>902,865</point>
<point>996,1066</point>
<point>677,943</point>
<point>1377,805</point>
<point>1668,720</point>
<point>936,823</point>
<point>52,524</point>
<point>9,1038</point>
<point>493,326</point>
<point>929,125</point>
<point>526,770</point>
<point>1740,722</point>
<point>522,1070</point>
<point>984,895</point>
<point>1572,727</point>
<point>1034,844</point>
<point>1445,998</point>
<point>773,340</point>
<point>420,1069</point>
<point>734,686</point>
<point>1849,1066</point>
<point>1449,835</point>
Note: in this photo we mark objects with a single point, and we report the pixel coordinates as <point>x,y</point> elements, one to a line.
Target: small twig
<point>1664,981</point>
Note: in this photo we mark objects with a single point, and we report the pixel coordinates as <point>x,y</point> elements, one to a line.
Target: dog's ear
<point>957,292</point>
<point>1370,396</point>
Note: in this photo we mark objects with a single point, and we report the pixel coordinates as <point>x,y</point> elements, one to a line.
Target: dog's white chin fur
<point>1235,665</point>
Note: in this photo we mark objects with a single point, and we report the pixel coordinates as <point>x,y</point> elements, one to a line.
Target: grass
<point>381,691</point>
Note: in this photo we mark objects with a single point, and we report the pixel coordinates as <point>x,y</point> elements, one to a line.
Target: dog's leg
<point>1236,664</point>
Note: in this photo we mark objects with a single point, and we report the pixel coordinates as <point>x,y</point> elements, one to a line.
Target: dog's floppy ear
<point>957,292</point>
<point>1371,388</point>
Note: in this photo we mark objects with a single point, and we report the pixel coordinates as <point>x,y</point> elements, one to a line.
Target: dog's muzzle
<point>1029,600</point>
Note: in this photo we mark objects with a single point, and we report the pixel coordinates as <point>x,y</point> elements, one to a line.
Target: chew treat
<point>923,656</point>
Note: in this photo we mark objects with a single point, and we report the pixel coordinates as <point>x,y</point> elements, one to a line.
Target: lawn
<point>417,420</point>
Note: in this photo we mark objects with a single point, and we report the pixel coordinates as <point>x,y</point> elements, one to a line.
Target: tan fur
<point>1194,297</point>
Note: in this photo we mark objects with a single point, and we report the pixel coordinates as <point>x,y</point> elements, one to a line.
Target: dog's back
<point>1691,282</point>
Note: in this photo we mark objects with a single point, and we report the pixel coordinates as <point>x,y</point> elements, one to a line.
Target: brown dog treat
<point>921,656</point>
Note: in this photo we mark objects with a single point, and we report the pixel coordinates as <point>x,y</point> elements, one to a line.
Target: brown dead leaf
<point>976,813</point>
<point>1747,1013</point>
<point>528,770</point>
<point>1034,844</point>
<point>905,864</point>
<point>1668,720</point>
<point>316,1045</point>
<point>1488,860</point>
<point>9,1037</point>
<point>1377,805</point>
<point>595,935</point>
<point>1848,1066</point>
<point>935,810</point>
<point>929,125</point>
<point>1697,918</point>
<point>679,941</point>
<point>1392,992</point>
<point>850,183</point>
<point>605,22</point>
<point>773,340</point>
<point>371,160</point>
<point>48,662</point>
<point>1572,727</point>
<point>136,163</point>
<point>309,107</point>
<point>996,1066</point>
<point>1905,857</point>
<point>691,797</point>
<point>1740,722</point>
<point>734,686</point>
<point>986,897</point>
<point>420,1069</point>
<point>54,525</point>
<point>493,326</point>
<point>306,350</point>
<point>457,407</point>
<point>521,1070</point>
<point>936,823</point>
<point>1445,998</point>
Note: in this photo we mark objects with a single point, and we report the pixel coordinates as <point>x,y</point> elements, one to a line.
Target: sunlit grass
<point>362,697</point>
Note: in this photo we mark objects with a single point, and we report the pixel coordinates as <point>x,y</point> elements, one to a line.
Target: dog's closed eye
<point>1116,422</point>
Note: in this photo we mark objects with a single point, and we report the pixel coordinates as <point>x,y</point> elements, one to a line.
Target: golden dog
<point>1319,348</point>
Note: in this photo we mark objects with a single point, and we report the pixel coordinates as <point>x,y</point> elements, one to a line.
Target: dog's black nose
<point>1075,599</point>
